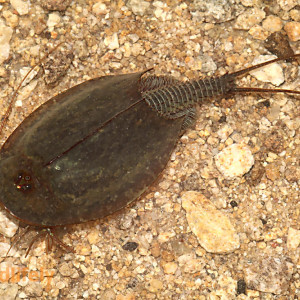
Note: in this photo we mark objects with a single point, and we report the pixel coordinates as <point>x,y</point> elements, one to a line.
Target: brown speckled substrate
<point>148,251</point>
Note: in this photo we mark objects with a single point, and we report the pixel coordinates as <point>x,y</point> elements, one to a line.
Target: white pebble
<point>5,36</point>
<point>272,73</point>
<point>8,228</point>
<point>53,20</point>
<point>22,7</point>
<point>112,41</point>
<point>235,160</point>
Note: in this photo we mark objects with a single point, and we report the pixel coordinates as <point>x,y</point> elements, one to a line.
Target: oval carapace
<point>85,153</point>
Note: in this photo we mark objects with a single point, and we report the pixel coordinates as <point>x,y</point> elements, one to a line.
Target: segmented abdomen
<point>170,100</point>
<point>154,82</point>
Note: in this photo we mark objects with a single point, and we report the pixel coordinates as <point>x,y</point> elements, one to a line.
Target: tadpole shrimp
<point>95,148</point>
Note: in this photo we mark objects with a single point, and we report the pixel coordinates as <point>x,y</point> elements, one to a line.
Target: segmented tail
<point>172,99</point>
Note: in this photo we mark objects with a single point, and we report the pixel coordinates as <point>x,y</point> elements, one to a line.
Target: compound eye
<point>24,182</point>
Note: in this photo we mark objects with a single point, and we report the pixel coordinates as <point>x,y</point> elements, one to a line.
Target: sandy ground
<point>151,250</point>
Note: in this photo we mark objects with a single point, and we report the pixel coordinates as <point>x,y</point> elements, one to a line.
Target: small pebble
<point>4,247</point>
<point>268,274</point>
<point>169,267</point>
<point>5,36</point>
<point>53,20</point>
<point>66,269</point>
<point>248,2</point>
<point>93,237</point>
<point>258,32</point>
<point>8,228</point>
<point>193,266</point>
<point>12,20</point>
<point>287,4</point>
<point>8,291</point>
<point>33,289</point>
<point>241,287</point>
<point>165,236</point>
<point>112,41</point>
<point>130,246</point>
<point>293,31</point>
<point>294,13</point>
<point>224,132</point>
<point>249,18</point>
<point>272,23</point>
<point>22,7</point>
<point>292,173</point>
<point>234,161</point>
<point>99,8</point>
<point>293,239</point>
<point>273,171</point>
<point>138,7</point>
<point>213,229</point>
<point>59,5</point>
<point>154,285</point>
<point>155,249</point>
<point>272,73</point>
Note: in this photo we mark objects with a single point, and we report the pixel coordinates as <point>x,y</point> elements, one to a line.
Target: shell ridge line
<point>92,133</point>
